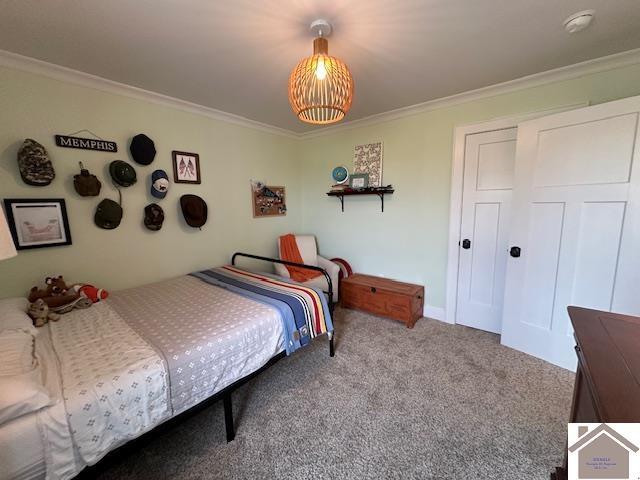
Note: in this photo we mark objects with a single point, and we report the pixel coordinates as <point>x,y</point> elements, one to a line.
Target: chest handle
<point>373,289</point>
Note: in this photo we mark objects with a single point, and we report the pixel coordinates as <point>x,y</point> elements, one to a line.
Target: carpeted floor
<point>438,401</point>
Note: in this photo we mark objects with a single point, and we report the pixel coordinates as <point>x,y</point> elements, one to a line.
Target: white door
<point>486,201</point>
<point>576,221</point>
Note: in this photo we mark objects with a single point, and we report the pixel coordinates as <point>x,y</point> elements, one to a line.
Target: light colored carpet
<point>438,401</point>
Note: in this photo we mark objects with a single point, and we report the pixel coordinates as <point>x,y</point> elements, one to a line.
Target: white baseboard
<point>437,313</point>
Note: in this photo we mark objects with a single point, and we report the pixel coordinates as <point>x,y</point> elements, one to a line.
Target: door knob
<point>466,244</point>
<point>515,252</point>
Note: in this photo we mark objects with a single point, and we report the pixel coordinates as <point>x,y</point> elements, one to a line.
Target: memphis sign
<point>86,143</point>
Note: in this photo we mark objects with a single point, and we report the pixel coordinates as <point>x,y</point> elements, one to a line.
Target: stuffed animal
<point>40,314</point>
<point>57,294</point>
<point>94,294</point>
<point>56,287</point>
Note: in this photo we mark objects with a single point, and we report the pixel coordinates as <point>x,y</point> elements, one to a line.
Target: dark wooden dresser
<point>388,298</point>
<point>607,385</point>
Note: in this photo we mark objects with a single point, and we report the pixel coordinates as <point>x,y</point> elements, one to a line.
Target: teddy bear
<point>57,292</point>
<point>40,314</point>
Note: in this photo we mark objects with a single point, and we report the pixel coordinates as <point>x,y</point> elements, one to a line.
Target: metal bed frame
<point>328,292</point>
<point>224,394</point>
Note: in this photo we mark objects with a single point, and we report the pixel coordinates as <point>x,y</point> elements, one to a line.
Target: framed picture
<point>368,159</point>
<point>359,180</point>
<point>268,201</point>
<point>38,223</point>
<point>186,167</point>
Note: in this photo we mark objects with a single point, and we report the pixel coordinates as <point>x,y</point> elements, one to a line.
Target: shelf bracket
<point>380,192</point>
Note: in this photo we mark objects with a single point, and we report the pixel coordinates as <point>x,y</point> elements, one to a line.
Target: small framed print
<point>186,167</point>
<point>38,223</point>
<point>268,201</point>
<point>359,180</point>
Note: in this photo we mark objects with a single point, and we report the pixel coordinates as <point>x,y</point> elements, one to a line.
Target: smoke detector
<point>579,21</point>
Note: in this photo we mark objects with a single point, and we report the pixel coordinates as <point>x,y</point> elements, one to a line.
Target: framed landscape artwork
<point>186,167</point>
<point>38,223</point>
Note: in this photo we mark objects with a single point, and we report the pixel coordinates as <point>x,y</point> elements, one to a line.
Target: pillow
<point>22,394</point>
<point>21,385</point>
<point>13,314</point>
<point>17,352</point>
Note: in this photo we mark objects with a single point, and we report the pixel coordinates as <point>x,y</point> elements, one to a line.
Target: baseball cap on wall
<point>153,216</point>
<point>108,214</point>
<point>159,183</point>
<point>34,164</point>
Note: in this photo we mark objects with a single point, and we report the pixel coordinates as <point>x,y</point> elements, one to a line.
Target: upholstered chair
<point>309,252</point>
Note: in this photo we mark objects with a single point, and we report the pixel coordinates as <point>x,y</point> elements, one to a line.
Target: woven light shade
<point>320,87</point>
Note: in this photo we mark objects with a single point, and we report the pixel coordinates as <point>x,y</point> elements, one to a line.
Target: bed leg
<point>331,347</point>
<point>228,417</point>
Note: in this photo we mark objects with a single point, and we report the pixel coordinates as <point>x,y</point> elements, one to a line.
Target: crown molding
<point>40,67</point>
<point>65,74</point>
<point>601,64</point>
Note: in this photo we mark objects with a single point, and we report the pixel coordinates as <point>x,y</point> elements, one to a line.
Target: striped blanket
<point>304,310</point>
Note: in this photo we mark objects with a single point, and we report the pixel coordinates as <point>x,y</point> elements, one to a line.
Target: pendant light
<point>320,86</point>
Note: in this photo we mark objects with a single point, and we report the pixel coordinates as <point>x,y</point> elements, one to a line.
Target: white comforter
<point>114,386</point>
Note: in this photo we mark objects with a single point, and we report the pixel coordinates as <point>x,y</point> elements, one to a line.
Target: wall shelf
<point>379,191</point>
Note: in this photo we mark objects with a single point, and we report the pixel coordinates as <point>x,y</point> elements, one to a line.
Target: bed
<point>150,354</point>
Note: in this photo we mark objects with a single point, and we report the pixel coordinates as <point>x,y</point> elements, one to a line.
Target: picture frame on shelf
<point>359,180</point>
<point>368,159</point>
<point>38,222</point>
<point>186,167</point>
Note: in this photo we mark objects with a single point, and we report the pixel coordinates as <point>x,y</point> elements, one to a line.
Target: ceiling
<point>236,55</point>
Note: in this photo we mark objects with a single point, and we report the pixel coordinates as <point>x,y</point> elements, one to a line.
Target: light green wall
<point>409,240</point>
<point>38,107</point>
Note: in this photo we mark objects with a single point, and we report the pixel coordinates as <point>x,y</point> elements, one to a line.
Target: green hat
<point>108,214</point>
<point>122,173</point>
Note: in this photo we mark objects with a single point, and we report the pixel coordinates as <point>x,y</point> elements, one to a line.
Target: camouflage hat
<point>108,214</point>
<point>34,164</point>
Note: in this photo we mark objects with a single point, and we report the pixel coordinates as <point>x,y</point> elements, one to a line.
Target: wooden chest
<point>388,298</point>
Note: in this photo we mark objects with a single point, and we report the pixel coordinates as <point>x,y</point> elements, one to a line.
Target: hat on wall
<point>122,173</point>
<point>143,150</point>
<point>194,210</point>
<point>34,164</point>
<point>159,183</point>
<point>108,214</point>
<point>153,216</point>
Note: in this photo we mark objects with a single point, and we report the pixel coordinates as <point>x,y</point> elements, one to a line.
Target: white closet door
<point>487,188</point>
<point>576,221</point>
